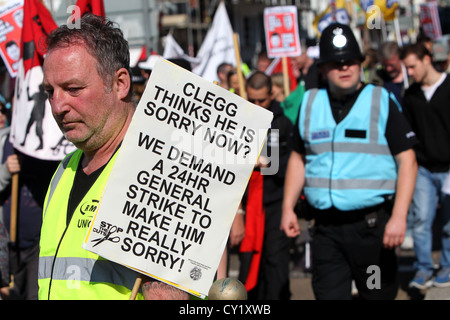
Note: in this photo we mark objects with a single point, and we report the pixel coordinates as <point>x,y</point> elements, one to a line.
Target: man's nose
<point>58,102</point>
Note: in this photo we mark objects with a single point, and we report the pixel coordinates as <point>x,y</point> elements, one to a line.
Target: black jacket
<point>274,184</point>
<point>430,120</point>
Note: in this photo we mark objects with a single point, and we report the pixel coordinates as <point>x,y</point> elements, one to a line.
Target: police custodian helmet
<point>338,44</point>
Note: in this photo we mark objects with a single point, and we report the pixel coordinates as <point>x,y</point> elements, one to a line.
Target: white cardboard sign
<point>178,179</point>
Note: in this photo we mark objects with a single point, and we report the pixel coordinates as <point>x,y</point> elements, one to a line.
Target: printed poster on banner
<point>34,131</point>
<point>11,21</point>
<point>179,176</point>
<point>281,30</point>
<point>429,20</point>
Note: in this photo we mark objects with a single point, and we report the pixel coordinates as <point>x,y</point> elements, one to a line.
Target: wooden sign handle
<point>137,285</point>
<point>14,206</point>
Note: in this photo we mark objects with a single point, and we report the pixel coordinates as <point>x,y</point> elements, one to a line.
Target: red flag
<point>93,6</point>
<point>143,55</point>
<point>37,24</point>
<point>278,68</point>
<point>254,229</point>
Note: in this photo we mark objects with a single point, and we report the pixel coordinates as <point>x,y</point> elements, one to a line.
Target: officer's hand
<point>394,232</point>
<point>289,223</point>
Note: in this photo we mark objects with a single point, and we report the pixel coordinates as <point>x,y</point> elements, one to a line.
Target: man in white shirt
<point>425,105</point>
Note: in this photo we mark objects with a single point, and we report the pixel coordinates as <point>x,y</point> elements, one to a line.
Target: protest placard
<point>11,20</point>
<point>281,31</point>
<point>178,179</point>
<point>429,20</point>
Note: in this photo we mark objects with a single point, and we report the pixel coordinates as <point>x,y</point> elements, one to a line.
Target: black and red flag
<point>96,7</point>
<point>34,132</point>
<point>34,135</point>
<point>37,24</point>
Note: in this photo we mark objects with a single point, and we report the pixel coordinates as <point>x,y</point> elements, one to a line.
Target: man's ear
<point>122,81</point>
<point>428,59</point>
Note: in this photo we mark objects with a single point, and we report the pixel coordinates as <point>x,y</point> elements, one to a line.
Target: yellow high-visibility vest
<point>66,270</point>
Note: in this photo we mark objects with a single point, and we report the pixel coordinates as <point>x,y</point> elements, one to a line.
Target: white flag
<point>172,50</point>
<point>217,47</point>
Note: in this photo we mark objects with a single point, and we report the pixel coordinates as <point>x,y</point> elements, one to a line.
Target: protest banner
<point>179,176</point>
<point>11,21</point>
<point>216,47</point>
<point>96,7</point>
<point>429,20</point>
<point>282,36</point>
<point>281,31</point>
<point>387,8</point>
<point>34,131</point>
<point>172,50</point>
<point>335,12</point>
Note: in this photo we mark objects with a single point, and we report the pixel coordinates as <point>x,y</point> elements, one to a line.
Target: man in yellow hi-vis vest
<point>87,78</point>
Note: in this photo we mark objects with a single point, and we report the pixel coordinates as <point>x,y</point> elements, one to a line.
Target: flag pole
<point>285,76</point>
<point>238,66</point>
<point>13,215</point>
<point>14,202</point>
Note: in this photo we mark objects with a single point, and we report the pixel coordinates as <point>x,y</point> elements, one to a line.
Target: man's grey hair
<point>388,50</point>
<point>102,38</point>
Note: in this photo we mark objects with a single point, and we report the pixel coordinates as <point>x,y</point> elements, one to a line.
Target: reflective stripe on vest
<point>345,171</point>
<point>66,270</point>
<point>56,177</point>
<point>81,269</point>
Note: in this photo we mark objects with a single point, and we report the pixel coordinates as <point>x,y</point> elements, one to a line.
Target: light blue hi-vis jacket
<point>348,165</point>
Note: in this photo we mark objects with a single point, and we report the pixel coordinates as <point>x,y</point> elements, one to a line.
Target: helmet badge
<point>339,40</point>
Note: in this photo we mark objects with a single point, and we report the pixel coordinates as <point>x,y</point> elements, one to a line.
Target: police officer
<point>353,160</point>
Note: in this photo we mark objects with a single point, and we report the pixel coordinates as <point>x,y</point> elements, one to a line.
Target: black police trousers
<point>348,246</point>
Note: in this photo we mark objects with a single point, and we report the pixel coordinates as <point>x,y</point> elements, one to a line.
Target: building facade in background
<point>147,22</point>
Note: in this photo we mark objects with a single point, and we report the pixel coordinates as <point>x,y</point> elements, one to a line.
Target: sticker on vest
<point>322,134</point>
<point>87,210</point>
<point>353,133</point>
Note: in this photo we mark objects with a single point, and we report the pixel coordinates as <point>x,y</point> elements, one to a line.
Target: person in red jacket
<point>265,247</point>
